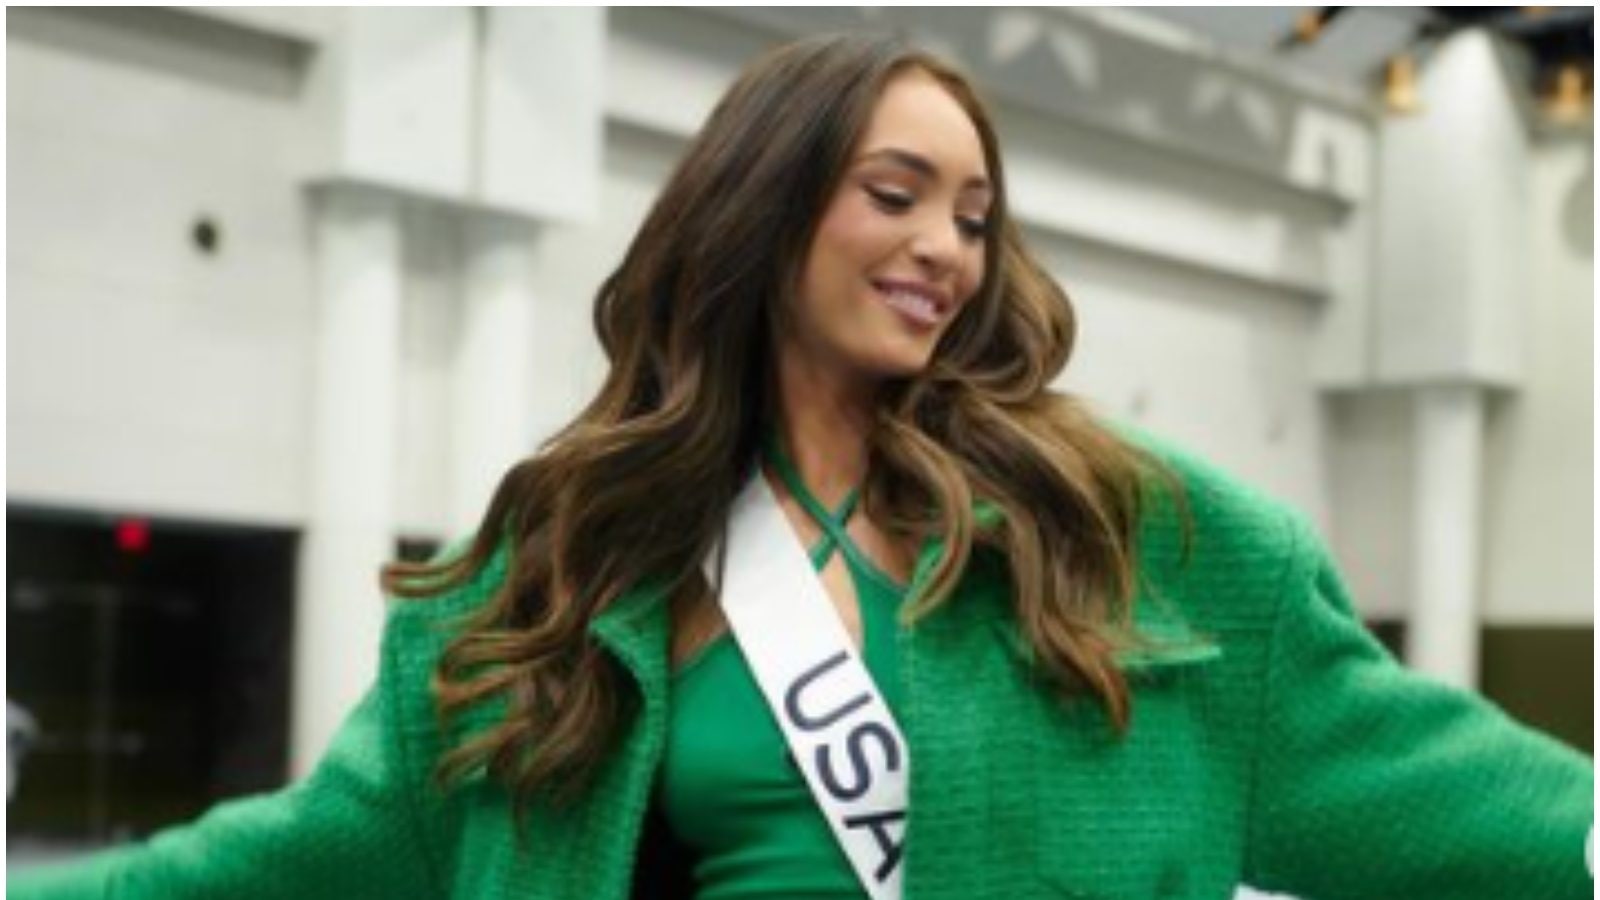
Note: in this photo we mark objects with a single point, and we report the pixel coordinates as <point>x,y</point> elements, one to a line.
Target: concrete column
<point>1442,637</point>
<point>492,398</point>
<point>350,521</point>
<point>1451,284</point>
<point>390,100</point>
<point>1452,267</point>
<point>541,96</point>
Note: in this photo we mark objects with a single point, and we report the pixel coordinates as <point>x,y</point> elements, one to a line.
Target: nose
<point>937,247</point>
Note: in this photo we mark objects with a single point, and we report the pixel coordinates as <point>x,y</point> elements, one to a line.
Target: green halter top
<point>728,788</point>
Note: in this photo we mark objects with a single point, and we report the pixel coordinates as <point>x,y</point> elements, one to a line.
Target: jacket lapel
<point>588,852</point>
<point>636,628</point>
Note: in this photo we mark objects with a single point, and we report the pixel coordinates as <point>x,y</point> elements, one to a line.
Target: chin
<point>892,357</point>
<point>901,365</point>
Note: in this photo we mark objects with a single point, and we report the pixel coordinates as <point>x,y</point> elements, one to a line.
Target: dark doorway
<point>152,656</point>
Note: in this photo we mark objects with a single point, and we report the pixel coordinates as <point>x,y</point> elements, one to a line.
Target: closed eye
<point>973,229</point>
<point>893,201</point>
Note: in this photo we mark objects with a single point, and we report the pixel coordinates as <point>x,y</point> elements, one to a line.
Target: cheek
<point>834,266</point>
<point>856,235</point>
<point>972,275</point>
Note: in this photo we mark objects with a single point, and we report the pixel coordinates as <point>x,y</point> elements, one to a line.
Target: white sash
<point>842,735</point>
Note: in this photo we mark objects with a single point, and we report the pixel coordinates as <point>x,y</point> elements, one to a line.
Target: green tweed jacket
<point>1274,744</point>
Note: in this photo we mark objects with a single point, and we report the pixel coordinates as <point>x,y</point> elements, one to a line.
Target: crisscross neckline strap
<point>834,535</point>
<point>832,523</point>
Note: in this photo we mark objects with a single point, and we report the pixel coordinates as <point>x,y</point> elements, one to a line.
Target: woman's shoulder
<point>428,620</point>
<point>1216,531</point>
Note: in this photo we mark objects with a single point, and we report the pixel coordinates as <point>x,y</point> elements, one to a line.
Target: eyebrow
<point>924,166</point>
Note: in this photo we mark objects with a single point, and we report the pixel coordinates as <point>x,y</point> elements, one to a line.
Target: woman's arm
<point>347,831</point>
<point>1374,782</point>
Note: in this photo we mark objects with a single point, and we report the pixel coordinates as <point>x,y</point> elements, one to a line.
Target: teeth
<point>914,304</point>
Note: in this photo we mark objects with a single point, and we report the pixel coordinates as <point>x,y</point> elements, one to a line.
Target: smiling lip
<point>921,304</point>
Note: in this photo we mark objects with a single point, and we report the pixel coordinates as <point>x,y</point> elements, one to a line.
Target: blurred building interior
<point>289,288</point>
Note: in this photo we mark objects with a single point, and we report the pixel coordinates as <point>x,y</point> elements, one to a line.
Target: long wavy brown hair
<point>639,484</point>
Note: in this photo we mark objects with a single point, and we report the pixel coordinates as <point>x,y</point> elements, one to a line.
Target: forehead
<point>917,113</point>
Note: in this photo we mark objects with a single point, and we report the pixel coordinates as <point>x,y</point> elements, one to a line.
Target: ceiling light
<point>1570,97</point>
<point>1400,86</point>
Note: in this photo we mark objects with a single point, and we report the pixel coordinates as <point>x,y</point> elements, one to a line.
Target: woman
<point>1092,667</point>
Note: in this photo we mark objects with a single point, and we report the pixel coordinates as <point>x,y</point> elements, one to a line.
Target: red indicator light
<point>133,535</point>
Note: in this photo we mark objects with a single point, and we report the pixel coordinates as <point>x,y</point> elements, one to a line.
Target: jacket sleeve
<point>348,830</point>
<point>1375,782</point>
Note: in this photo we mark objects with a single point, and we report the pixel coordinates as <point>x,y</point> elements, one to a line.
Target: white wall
<point>1539,522</point>
<point>1372,460</point>
<point>145,376</point>
<point>430,332</point>
<point>1451,235</point>
<point>1217,366</point>
<point>573,260</point>
<point>1537,564</point>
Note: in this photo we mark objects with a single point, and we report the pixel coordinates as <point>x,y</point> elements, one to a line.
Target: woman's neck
<point>826,421</point>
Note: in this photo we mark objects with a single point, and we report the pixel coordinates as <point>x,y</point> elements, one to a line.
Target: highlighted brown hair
<point>637,486</point>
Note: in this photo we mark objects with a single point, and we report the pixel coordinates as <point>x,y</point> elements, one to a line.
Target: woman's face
<point>900,247</point>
